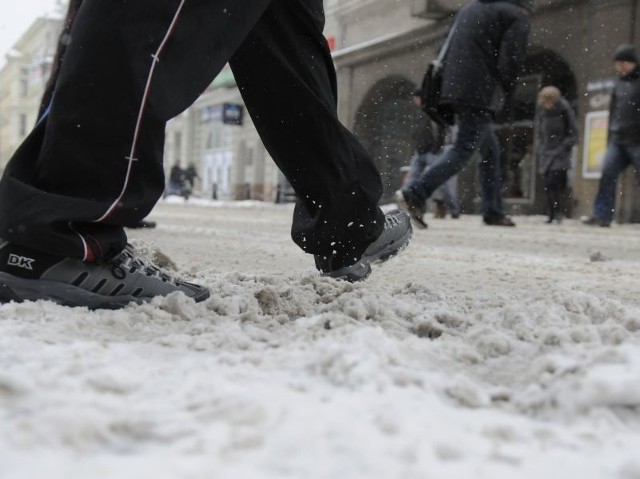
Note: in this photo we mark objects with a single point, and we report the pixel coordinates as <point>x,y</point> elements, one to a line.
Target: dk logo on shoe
<point>21,261</point>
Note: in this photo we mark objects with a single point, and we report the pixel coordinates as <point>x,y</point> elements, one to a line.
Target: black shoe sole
<point>19,290</point>
<point>420,223</point>
<point>509,224</point>
<point>401,202</point>
<point>353,273</point>
<point>362,269</point>
<point>598,224</point>
<point>143,225</point>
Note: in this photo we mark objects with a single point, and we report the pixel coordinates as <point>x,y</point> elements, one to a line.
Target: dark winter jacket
<point>557,132</point>
<point>487,50</point>
<point>177,175</point>
<point>427,135</point>
<point>624,110</point>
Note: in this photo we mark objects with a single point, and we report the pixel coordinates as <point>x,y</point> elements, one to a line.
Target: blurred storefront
<point>384,48</point>
<point>217,136</point>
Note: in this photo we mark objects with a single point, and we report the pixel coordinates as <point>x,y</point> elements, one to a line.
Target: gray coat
<point>556,132</point>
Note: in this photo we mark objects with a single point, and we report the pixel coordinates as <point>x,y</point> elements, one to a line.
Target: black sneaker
<point>498,221</point>
<point>28,275</point>
<point>415,209</point>
<point>593,221</point>
<point>394,238</point>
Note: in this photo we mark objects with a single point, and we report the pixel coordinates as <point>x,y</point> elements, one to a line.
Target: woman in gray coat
<point>557,132</point>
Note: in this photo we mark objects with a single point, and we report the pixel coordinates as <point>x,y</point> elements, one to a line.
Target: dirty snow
<point>480,352</point>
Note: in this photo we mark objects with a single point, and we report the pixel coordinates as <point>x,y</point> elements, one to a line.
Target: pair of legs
<point>93,164</point>
<point>616,160</point>
<point>474,133</point>
<point>555,185</point>
<point>445,193</point>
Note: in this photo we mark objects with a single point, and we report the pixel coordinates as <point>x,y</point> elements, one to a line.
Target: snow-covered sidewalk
<point>480,352</point>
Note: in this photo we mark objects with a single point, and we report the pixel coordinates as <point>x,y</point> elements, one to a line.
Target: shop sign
<point>232,113</point>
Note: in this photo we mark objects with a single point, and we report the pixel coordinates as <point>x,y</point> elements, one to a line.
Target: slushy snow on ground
<point>479,352</point>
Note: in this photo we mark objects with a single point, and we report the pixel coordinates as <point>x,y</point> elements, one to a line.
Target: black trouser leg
<point>94,163</point>
<point>287,79</point>
<point>555,185</point>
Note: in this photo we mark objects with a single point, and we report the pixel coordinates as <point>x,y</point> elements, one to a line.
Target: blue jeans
<point>474,133</point>
<point>616,160</point>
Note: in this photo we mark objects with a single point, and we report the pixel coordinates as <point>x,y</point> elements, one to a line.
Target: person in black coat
<point>487,50</point>
<point>623,147</point>
<point>177,178</point>
<point>556,134</point>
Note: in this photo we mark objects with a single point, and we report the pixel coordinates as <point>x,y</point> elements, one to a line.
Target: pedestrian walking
<point>486,51</point>
<point>430,140</point>
<point>556,134</point>
<point>623,146</point>
<point>93,163</point>
<point>177,179</point>
<point>191,174</point>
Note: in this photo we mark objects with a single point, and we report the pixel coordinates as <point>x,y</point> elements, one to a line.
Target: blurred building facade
<point>384,46</point>
<point>22,81</point>
<point>381,49</point>
<point>217,136</point>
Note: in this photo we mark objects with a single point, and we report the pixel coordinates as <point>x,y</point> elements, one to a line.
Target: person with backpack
<point>486,50</point>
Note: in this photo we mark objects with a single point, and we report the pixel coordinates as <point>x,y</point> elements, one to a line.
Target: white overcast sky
<point>15,17</point>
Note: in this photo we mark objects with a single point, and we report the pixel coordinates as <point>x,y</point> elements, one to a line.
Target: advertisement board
<point>595,143</point>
